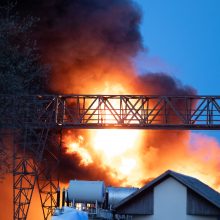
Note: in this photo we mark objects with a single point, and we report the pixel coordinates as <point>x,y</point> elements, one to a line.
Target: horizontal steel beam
<point>112,111</point>
<point>150,127</point>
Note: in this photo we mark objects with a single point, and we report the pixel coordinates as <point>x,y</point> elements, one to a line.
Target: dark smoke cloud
<point>107,27</point>
<point>89,43</point>
<point>163,84</point>
<point>85,39</point>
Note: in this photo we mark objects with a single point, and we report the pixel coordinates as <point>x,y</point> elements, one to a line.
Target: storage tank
<point>86,191</point>
<point>116,194</point>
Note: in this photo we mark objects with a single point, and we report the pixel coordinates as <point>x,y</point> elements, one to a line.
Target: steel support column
<point>31,135</point>
<point>48,173</point>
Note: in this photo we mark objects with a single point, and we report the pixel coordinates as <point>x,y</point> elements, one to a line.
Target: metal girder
<point>24,177</point>
<point>29,118</point>
<point>124,111</point>
<point>140,112</point>
<point>30,138</point>
<point>48,175</point>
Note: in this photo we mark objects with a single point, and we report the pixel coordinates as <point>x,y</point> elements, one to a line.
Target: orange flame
<point>75,147</point>
<point>116,148</point>
<point>133,157</point>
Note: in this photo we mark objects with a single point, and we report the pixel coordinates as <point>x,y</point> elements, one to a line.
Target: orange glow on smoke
<point>118,151</point>
<point>117,148</point>
<point>205,160</point>
<point>121,152</point>
<point>75,147</point>
<point>131,158</point>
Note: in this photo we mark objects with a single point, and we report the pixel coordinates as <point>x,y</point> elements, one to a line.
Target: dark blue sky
<point>183,39</point>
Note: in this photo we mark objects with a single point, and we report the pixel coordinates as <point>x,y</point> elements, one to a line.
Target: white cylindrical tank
<point>86,191</point>
<point>116,194</point>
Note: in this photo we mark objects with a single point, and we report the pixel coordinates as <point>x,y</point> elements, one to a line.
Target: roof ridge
<point>191,182</point>
<point>205,192</point>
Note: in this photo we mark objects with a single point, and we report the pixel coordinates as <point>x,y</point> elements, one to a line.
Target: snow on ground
<point>70,214</point>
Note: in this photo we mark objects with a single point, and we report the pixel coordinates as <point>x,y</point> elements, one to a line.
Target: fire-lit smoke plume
<point>90,45</point>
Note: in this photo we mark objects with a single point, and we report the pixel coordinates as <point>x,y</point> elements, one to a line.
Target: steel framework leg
<point>48,176</point>
<point>30,137</point>
<point>24,177</point>
<point>28,151</point>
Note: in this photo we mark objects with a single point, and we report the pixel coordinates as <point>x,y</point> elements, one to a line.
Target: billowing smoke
<point>163,84</point>
<point>87,42</point>
<point>90,45</point>
<point>154,151</point>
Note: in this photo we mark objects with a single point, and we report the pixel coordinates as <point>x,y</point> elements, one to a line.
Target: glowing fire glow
<point>113,143</point>
<point>74,147</point>
<point>132,158</point>
<point>118,149</point>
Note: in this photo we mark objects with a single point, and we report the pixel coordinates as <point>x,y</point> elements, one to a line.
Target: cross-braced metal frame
<point>140,112</point>
<point>28,118</point>
<point>33,119</point>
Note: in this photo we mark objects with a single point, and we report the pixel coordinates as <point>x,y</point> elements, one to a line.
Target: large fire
<point>91,46</point>
<point>117,150</point>
<point>120,151</point>
<point>133,157</point>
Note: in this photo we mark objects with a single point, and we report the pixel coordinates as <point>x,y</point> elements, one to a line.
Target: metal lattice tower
<point>33,119</point>
<point>30,119</point>
<point>48,176</point>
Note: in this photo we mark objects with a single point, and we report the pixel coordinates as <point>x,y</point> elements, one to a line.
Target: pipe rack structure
<point>33,119</point>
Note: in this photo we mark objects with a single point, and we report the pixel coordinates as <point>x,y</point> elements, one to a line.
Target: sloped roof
<point>192,183</point>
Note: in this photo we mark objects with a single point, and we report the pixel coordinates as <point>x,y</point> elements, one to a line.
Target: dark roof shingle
<point>194,184</point>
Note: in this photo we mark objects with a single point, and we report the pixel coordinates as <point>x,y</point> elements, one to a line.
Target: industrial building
<point>92,199</point>
<point>171,196</point>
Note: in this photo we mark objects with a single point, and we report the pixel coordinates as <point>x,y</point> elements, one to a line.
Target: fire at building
<point>169,196</point>
<point>90,46</point>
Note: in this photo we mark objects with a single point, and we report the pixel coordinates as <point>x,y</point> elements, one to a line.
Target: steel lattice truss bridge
<point>33,120</point>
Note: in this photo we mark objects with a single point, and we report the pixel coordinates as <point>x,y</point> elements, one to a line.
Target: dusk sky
<point>183,39</point>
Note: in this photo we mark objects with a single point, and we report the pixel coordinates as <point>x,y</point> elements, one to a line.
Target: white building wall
<point>170,201</point>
